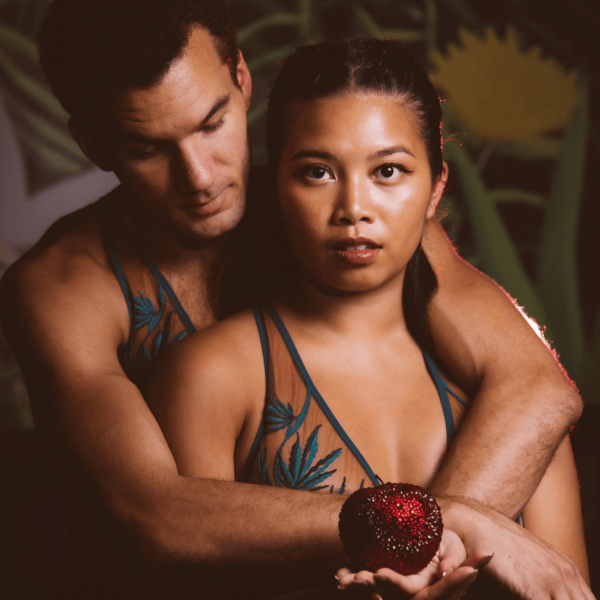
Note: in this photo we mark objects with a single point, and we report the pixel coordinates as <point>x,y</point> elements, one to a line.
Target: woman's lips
<point>356,251</point>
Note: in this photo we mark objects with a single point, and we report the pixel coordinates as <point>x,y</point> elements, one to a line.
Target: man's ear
<point>89,144</point>
<point>244,79</point>
<point>437,191</point>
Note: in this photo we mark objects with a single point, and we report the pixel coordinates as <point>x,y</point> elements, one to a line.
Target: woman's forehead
<point>355,121</point>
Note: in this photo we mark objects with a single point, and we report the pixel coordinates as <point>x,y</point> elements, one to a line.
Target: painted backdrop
<point>523,142</point>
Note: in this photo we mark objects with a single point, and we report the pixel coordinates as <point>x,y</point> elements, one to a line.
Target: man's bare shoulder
<point>72,240</point>
<point>67,270</point>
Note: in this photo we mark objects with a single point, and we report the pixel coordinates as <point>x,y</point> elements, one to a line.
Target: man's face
<point>181,147</point>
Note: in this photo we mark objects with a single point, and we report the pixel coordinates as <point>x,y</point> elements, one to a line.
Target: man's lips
<point>206,208</point>
<point>357,251</point>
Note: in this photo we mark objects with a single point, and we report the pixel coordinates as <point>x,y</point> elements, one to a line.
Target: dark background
<point>507,238</point>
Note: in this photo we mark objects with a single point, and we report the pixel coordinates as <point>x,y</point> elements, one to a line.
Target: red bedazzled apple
<point>396,525</point>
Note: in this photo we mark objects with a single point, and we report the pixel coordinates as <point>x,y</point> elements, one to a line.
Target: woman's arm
<point>553,513</point>
<point>202,392</point>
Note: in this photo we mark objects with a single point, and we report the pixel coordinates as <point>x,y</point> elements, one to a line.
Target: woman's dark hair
<point>328,70</point>
<point>365,64</point>
<point>87,46</point>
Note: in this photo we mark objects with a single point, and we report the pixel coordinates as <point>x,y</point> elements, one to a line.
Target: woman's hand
<point>447,576</point>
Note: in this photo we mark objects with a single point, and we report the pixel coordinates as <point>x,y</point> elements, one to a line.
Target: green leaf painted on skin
<point>558,250</point>
<point>498,254</point>
<point>34,89</point>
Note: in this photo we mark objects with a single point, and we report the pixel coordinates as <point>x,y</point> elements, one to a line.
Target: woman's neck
<point>376,311</point>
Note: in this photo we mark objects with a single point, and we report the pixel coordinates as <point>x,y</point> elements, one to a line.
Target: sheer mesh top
<point>312,450</point>
<point>157,318</point>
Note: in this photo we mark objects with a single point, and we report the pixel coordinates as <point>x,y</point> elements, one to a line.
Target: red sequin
<point>396,525</point>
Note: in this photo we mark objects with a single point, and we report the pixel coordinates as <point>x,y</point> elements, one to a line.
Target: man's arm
<point>523,407</point>
<point>62,327</point>
<point>524,404</point>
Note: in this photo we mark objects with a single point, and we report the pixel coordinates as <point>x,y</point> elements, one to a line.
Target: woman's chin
<point>351,286</point>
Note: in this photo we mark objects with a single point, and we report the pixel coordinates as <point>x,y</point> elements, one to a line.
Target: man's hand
<point>449,574</point>
<point>523,564</point>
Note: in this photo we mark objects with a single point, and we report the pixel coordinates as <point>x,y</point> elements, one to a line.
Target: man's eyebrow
<point>219,104</point>
<point>136,138</point>
<point>310,153</point>
<point>392,150</point>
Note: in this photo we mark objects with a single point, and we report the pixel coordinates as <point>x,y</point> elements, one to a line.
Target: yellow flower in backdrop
<point>501,93</point>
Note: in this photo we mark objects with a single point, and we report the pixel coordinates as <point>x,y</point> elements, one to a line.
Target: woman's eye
<point>317,172</point>
<point>389,171</point>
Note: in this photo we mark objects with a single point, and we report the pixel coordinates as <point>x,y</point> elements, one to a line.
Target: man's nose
<point>194,169</point>
<point>353,203</point>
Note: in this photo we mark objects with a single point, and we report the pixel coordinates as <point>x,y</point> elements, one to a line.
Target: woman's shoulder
<point>226,356</point>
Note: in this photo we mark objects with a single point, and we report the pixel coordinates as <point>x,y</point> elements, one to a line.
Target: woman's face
<point>355,188</point>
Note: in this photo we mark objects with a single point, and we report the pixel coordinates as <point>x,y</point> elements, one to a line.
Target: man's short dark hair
<point>88,46</point>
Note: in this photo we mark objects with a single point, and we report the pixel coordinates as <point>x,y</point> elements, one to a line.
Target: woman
<point>335,385</point>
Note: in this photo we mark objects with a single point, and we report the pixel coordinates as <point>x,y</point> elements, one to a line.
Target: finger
<point>478,559</point>
<point>452,553</point>
<point>345,580</point>
<point>452,586</point>
<point>365,578</point>
<point>392,583</point>
<point>343,571</point>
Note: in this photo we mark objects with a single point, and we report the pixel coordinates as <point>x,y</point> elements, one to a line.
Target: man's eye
<point>317,172</point>
<point>214,126</point>
<point>143,154</point>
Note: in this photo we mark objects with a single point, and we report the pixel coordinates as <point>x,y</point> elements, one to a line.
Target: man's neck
<point>161,245</point>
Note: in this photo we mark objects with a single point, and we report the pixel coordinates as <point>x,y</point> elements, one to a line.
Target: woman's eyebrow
<point>391,150</point>
<point>310,153</point>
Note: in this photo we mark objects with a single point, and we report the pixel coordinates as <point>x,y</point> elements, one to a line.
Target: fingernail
<point>341,587</point>
<point>360,582</point>
<point>380,577</point>
<point>450,570</point>
<point>337,577</point>
<point>486,560</point>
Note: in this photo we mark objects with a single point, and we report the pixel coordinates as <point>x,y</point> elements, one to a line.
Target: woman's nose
<point>195,169</point>
<point>353,203</point>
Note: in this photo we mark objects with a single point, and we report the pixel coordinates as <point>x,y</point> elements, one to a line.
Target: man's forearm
<point>523,405</point>
<point>503,449</point>
<point>216,524</point>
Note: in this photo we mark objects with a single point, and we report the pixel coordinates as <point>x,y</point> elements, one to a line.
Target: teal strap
<point>440,384</point>
<point>264,342</point>
<point>287,338</point>
<point>115,262</point>
<point>449,389</point>
<point>174,299</point>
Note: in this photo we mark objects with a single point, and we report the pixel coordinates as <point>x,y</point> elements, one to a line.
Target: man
<point>157,93</point>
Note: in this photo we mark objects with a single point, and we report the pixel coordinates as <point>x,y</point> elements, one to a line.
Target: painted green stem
<point>558,279</point>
